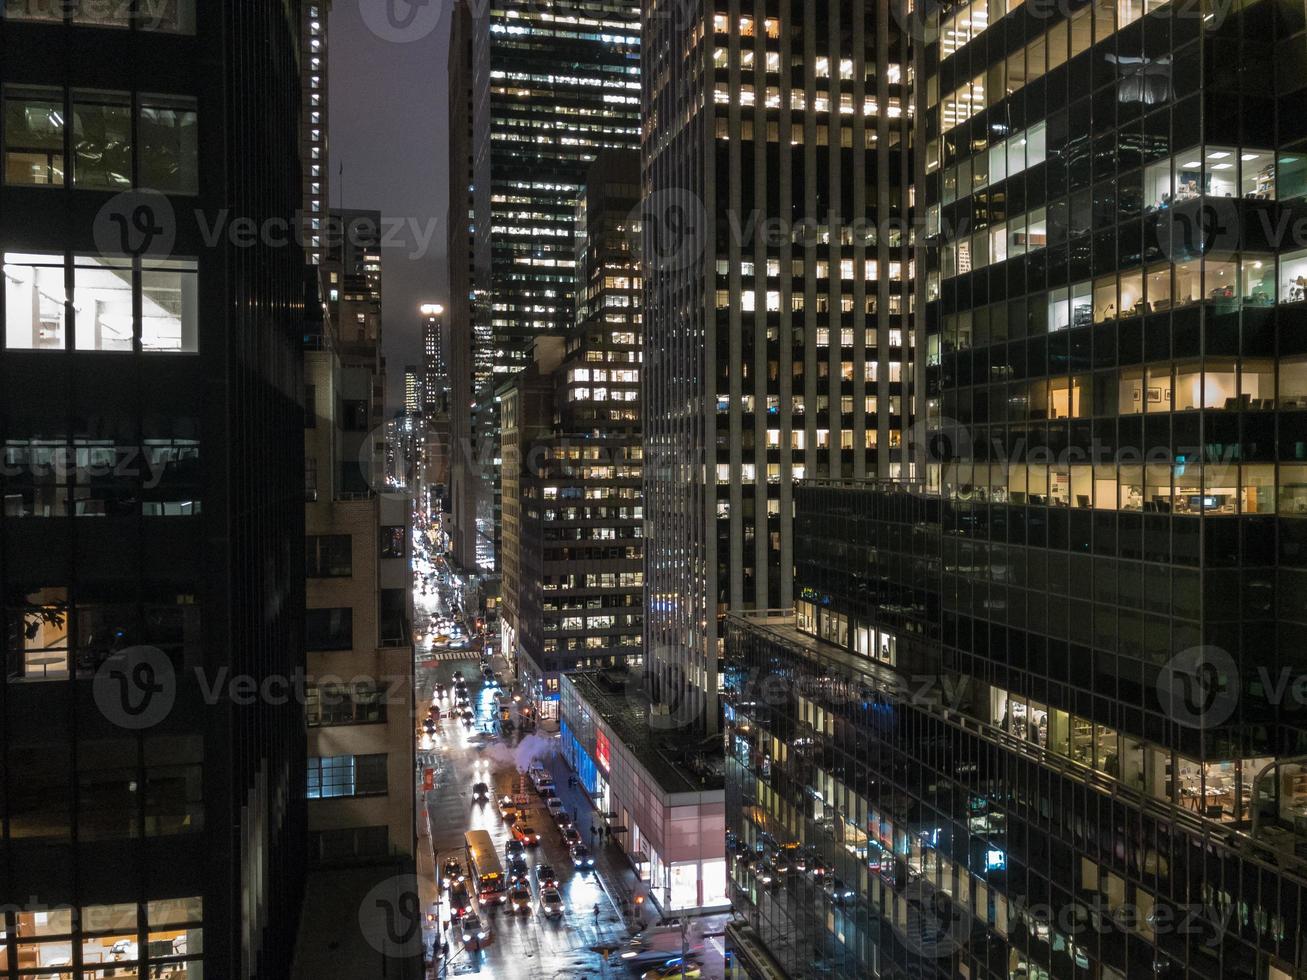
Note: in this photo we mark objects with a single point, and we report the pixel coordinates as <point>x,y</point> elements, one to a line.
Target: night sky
<point>387,119</point>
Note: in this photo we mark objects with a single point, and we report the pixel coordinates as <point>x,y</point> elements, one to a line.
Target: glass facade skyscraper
<point>556,83</point>
<point>1024,725</point>
<point>153,484</point>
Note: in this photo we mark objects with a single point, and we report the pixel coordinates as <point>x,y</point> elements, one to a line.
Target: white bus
<point>484,868</point>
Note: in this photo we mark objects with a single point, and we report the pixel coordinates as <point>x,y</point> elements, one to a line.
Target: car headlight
<point>482,935</point>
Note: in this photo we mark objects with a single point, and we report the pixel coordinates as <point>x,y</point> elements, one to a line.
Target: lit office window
<point>35,296</point>
<point>170,306</point>
<point>102,303</point>
<point>34,136</point>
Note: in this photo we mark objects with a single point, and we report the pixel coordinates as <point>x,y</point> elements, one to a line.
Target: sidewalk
<point>619,877</point>
<point>426,871</point>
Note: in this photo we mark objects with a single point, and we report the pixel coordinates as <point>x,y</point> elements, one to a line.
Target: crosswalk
<point>433,656</point>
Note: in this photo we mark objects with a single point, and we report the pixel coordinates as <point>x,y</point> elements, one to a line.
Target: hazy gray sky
<point>387,116</point>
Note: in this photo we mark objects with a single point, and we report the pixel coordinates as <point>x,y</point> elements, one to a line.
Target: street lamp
<point>431,309</point>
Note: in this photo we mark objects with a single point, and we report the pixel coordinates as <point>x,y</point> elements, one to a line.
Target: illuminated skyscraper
<point>1025,727</point>
<point>412,390</point>
<point>556,82</point>
<point>314,145</point>
<point>778,319</point>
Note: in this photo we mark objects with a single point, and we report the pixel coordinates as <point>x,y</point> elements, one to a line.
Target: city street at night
<point>521,945</point>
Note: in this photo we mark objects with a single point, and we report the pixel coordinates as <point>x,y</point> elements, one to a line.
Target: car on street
<point>518,871</point>
<point>554,805</point>
<point>672,969</point>
<point>480,793</point>
<point>519,896</point>
<point>507,810</point>
<point>571,835</point>
<point>838,892</point>
<point>474,931</point>
<point>460,901</point>
<point>525,834</point>
<point>581,856</point>
<point>768,874</point>
<point>458,677</point>
<point>545,876</point>
<point>551,902</point>
<point>514,848</point>
<point>452,873</point>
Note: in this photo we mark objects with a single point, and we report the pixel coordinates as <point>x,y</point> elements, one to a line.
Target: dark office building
<point>778,322</point>
<point>468,354</point>
<point>150,411</point>
<point>1027,722</point>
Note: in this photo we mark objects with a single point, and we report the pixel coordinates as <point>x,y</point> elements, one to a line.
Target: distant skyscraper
<point>150,383</point>
<point>556,82</point>
<point>435,363</point>
<point>572,451</point>
<point>412,390</point>
<point>777,329</point>
<point>468,351</point>
<point>314,144</point>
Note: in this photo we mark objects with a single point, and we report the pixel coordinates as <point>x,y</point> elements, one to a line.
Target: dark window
<point>329,629</point>
<point>394,542</point>
<point>355,415</point>
<point>394,617</point>
<point>333,704</point>
<point>329,556</point>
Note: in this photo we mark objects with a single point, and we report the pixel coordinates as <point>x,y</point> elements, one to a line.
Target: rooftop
<point>668,753</point>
